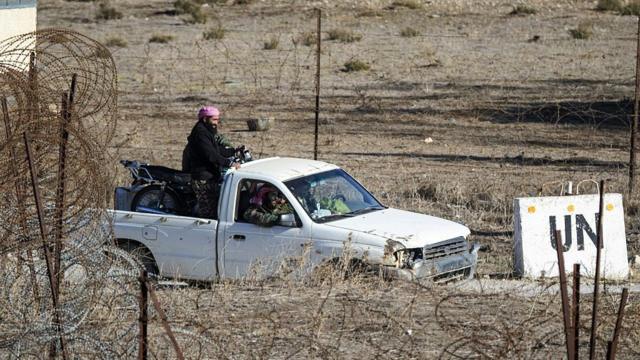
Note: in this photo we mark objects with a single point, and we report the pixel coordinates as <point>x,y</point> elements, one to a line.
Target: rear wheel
<point>142,254</point>
<point>155,199</point>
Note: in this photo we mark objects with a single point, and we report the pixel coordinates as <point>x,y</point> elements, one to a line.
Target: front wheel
<point>154,199</point>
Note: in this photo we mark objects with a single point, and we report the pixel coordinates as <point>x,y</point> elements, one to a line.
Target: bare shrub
<point>306,39</point>
<point>409,32</point>
<point>198,17</point>
<point>108,12</point>
<point>584,31</point>
<point>631,9</point>
<point>409,4</point>
<point>216,33</point>
<point>609,5</point>
<point>356,65</point>
<point>115,42</point>
<point>161,38</point>
<point>523,10</point>
<point>430,58</point>
<point>370,12</point>
<point>271,44</point>
<point>344,35</point>
<point>193,9</point>
<point>183,6</point>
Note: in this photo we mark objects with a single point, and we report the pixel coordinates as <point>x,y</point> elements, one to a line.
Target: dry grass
<point>271,44</point>
<point>584,31</point>
<point>216,33</point>
<point>409,32</point>
<point>115,42</point>
<point>306,39</point>
<point>609,5</point>
<point>370,12</point>
<point>193,9</point>
<point>632,8</point>
<point>409,4</point>
<point>355,65</point>
<point>523,10</point>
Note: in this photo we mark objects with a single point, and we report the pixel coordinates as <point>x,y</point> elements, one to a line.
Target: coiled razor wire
<point>97,301</point>
<point>52,80</point>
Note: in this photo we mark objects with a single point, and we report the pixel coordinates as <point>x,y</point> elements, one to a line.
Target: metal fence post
<point>67,106</point>
<point>144,317</point>
<point>613,344</point>
<point>165,323</point>
<point>596,286</point>
<point>565,298</point>
<point>634,121</point>
<point>318,51</point>
<point>45,248</point>
<point>576,311</point>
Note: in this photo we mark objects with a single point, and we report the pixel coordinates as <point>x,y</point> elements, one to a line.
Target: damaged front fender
<point>391,256</point>
<point>445,261</point>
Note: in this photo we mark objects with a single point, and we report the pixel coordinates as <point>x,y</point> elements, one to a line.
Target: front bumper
<point>454,267</point>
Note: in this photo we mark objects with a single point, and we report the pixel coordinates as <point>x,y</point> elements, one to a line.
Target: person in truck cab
<point>266,206</point>
<point>301,189</point>
<point>206,153</point>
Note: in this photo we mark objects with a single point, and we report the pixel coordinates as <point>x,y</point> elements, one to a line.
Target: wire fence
<point>477,73</point>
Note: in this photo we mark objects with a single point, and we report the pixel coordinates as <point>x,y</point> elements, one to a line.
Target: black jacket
<point>204,155</point>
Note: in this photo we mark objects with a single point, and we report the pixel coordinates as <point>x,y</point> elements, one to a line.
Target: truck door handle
<point>239,237</point>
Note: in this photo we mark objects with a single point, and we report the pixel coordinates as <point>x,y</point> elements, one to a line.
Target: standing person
<point>206,153</point>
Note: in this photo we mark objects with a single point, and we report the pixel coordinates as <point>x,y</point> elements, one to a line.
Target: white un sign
<point>537,219</point>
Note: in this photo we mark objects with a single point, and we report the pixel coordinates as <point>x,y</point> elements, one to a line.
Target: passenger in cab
<point>266,206</point>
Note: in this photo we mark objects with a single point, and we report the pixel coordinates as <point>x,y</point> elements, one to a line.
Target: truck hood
<point>411,229</point>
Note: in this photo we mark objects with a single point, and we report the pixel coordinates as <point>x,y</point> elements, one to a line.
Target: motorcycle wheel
<point>150,198</point>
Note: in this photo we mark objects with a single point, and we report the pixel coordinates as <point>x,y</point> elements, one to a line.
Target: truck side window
<point>244,197</point>
<point>261,203</point>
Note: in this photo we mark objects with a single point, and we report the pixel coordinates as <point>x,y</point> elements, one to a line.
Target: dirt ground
<point>479,107</point>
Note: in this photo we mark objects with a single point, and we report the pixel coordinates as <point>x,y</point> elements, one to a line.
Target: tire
<point>150,197</point>
<point>142,254</point>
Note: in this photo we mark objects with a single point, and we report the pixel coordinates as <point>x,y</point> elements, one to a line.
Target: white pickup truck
<point>333,215</point>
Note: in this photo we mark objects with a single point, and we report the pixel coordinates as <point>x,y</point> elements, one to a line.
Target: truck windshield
<point>332,195</point>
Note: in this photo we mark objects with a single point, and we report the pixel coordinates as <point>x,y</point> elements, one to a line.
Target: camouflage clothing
<point>206,192</point>
<point>262,216</point>
<point>222,140</point>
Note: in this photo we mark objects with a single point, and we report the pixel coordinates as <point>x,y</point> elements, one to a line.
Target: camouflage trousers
<point>206,192</point>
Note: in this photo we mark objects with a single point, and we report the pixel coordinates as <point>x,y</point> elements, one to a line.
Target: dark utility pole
<point>634,122</point>
<point>319,41</point>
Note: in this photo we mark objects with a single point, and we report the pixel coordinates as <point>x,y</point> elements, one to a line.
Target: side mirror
<point>288,220</point>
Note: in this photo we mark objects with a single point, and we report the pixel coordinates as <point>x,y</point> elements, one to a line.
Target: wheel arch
<point>141,251</point>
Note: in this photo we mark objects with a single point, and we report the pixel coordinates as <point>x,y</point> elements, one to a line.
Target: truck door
<point>182,246</point>
<point>188,245</point>
<point>257,251</point>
